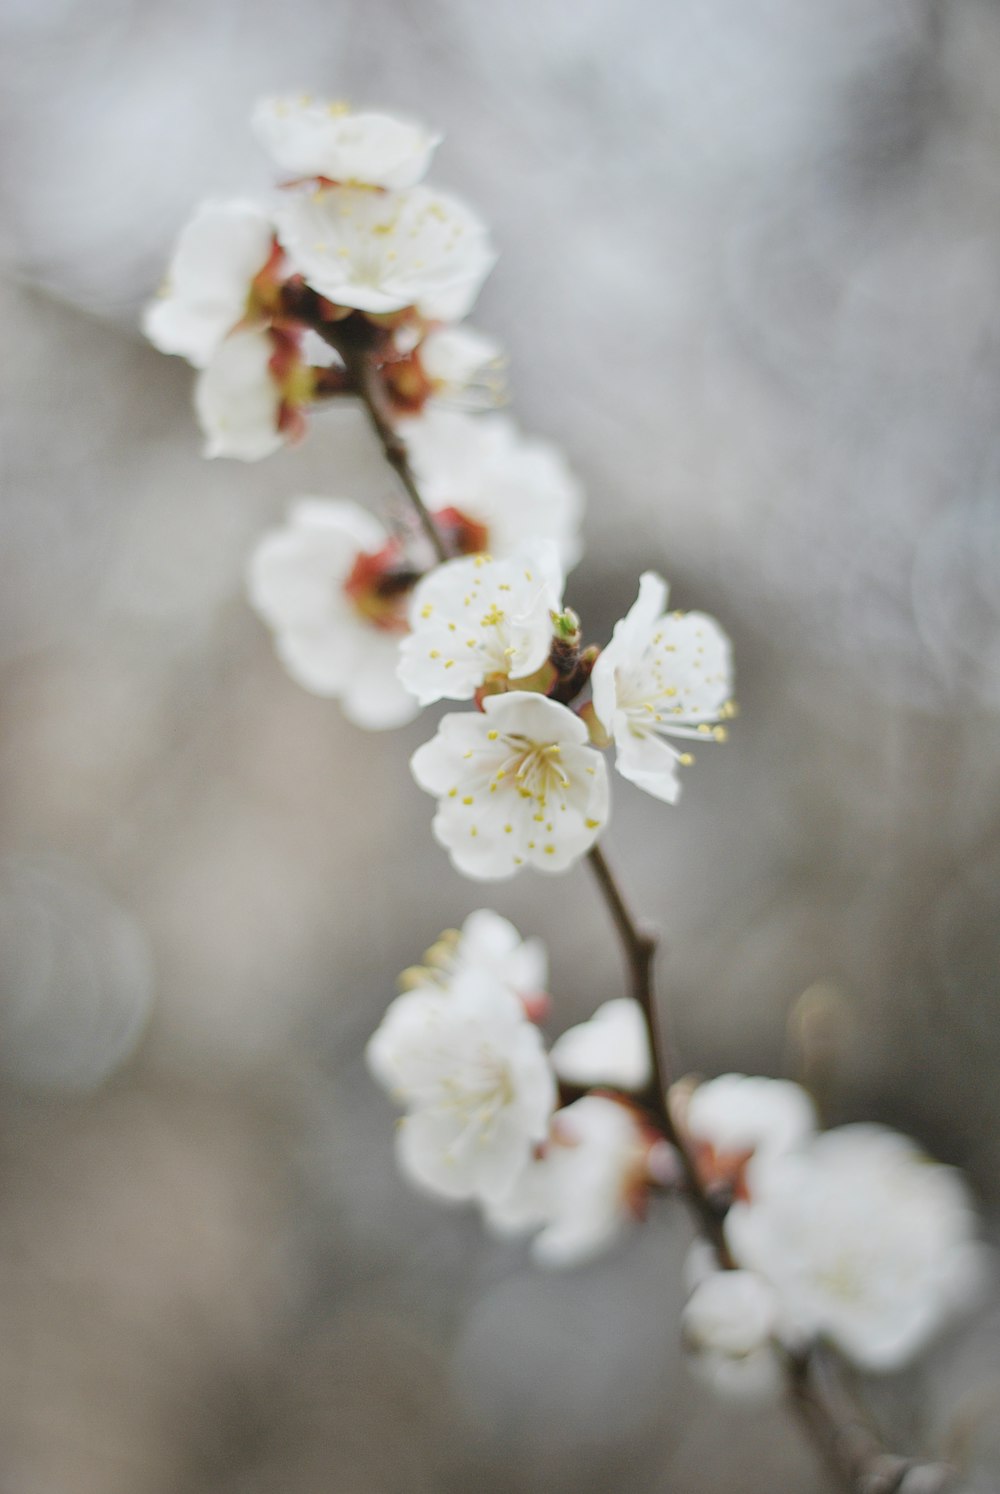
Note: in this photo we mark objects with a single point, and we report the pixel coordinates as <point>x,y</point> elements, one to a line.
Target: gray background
<point>751,281</point>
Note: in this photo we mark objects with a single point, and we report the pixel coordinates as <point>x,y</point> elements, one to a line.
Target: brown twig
<point>354,340</point>
<point>639,949</point>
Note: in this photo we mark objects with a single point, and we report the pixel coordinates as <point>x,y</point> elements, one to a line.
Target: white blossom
<point>384,251</point>
<point>581,1193</point>
<point>517,785</point>
<point>611,1048</point>
<point>727,1325</point>
<point>864,1240</point>
<point>298,581</point>
<point>463,365</point>
<point>661,675</point>
<point>479,619</point>
<point>209,280</point>
<point>315,138</point>
<point>738,1115</point>
<point>238,400</point>
<point>472,1073</point>
<point>490,946</point>
<point>520,490</point>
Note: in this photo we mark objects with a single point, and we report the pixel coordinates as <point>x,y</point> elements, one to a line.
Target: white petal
<point>612,1048</point>
<point>515,786</point>
<point>217,256</point>
<point>520,489</point>
<point>646,761</point>
<point>310,138</point>
<point>297,572</point>
<point>383,251</point>
<point>237,400</point>
<point>474,618</point>
<point>733,1311</point>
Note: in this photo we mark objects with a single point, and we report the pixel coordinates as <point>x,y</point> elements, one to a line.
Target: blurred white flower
<point>518,489</point>
<point>208,289</point>
<point>737,1116</point>
<point>491,946</point>
<point>727,1325</point>
<point>385,251</point>
<point>661,675</point>
<point>311,137</point>
<point>472,1073</point>
<point>611,1048</point>
<point>462,363</point>
<point>315,581</point>
<point>478,619</point>
<point>517,785</point>
<point>238,400</point>
<point>581,1193</point>
<point>864,1240</point>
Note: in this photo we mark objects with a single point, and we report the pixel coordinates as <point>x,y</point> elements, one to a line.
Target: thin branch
<point>639,949</point>
<point>365,381</point>
<point>353,340</point>
<point>843,1431</point>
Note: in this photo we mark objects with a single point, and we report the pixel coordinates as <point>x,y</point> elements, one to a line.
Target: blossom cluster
<point>850,1235</point>
<point>462,1053</point>
<point>275,301</point>
<point>264,293</point>
<point>352,279</point>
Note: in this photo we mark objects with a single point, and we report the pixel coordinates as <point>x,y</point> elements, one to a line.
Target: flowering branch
<point>846,1237</point>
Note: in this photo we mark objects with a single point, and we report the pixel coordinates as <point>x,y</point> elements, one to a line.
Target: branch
<point>640,954</point>
<point>355,340</point>
<point>843,1431</point>
<point>364,378</point>
<point>819,1395</point>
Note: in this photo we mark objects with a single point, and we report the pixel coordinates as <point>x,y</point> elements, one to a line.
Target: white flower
<point>864,1240</point>
<point>480,619</point>
<point>727,1325</point>
<point>463,365</point>
<point>383,251</point>
<point>490,946</point>
<point>517,785</point>
<point>584,1189</point>
<point>472,1073</point>
<point>315,138</point>
<point>208,286</point>
<point>661,675</point>
<point>612,1048</point>
<point>739,1115</point>
<point>520,490</point>
<point>238,400</point>
<point>329,633</point>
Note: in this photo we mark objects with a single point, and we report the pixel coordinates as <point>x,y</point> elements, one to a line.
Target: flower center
<point>378,587</point>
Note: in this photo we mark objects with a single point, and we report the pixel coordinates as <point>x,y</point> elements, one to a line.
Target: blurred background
<point>750,280</point>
